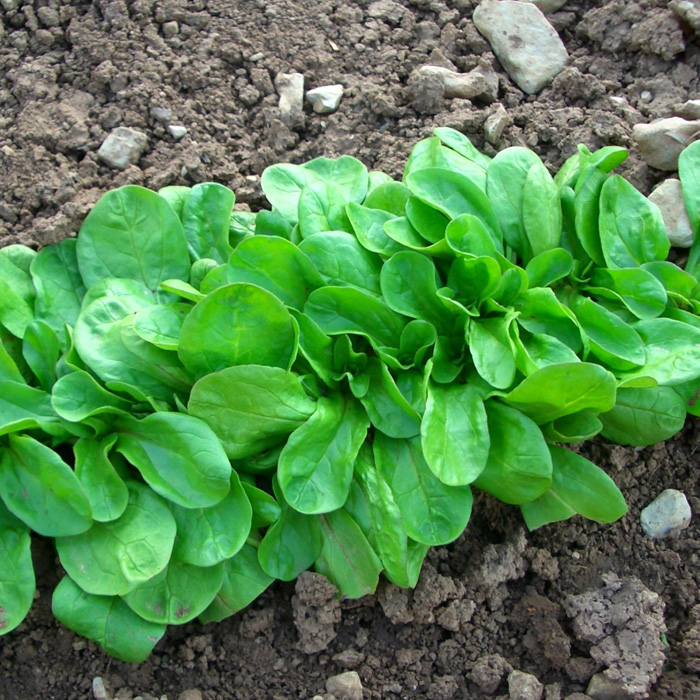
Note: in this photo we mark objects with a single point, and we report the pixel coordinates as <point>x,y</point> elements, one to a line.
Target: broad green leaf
<point>112,558</point>
<point>347,560</point>
<point>492,350</point>
<point>587,212</point>
<point>161,324</point>
<point>402,231</point>
<point>346,173</point>
<point>179,456</point>
<point>276,265</point>
<point>578,486</point>
<point>468,235</point>
<point>690,393</point>
<point>104,487</point>
<point>315,347</point>
<point>106,620</point>
<point>377,178</point>
<point>548,267</point>
<point>433,513</point>
<point>17,581</point>
<point>41,489</point>
<point>239,324</point>
<point>41,349</point>
<point>641,292</point>
<point>560,390</point>
<point>216,278</point>
<point>23,407</point>
<point>408,282</point>
<point>322,208</point>
<point>519,467</point>
<point>368,225</point>
<point>534,351</point>
<point>250,407</point>
<point>541,210</point>
<point>341,310</point>
<point>199,270</point>
<point>460,143</point>
<point>271,223</point>
<point>679,285</point>
<point>342,261</point>
<point>132,292</point>
<point>205,220</point>
<point>315,466</point>
<point>266,510</point>
<point>59,286</point>
<point>132,233</point>
<point>429,222</point>
<point>207,536</point>
<point>573,428</point>
<point>175,196</point>
<point>244,580</point>
<point>632,231</point>
<point>388,196</point>
<point>689,173</point>
<point>16,312</point>
<point>429,153</point>
<point>474,279</point>
<point>77,396</point>
<point>454,433</point>
<point>644,417</point>
<point>177,594</point>
<point>241,226</point>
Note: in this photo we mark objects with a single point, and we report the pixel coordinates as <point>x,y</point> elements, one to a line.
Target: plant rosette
<point>196,401</point>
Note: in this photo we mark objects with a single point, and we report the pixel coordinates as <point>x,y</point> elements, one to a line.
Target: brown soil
<point>562,603</point>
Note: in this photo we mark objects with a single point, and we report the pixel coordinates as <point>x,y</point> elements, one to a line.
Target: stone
<point>524,686</point>
<point>190,695</point>
<point>177,131</point>
<point>480,83</point>
<point>349,658</point>
<point>387,10</point>
<point>290,88</point>
<point>487,673</point>
<point>345,686</point>
<point>171,29</point>
<point>602,687</point>
<point>523,40</point>
<point>668,197</point>
<point>495,124</point>
<point>325,99</point>
<point>123,147</point>
<point>162,114</point>
<point>662,141</point>
<point>688,110</point>
<point>666,515</point>
<point>547,6</point>
<point>99,691</point>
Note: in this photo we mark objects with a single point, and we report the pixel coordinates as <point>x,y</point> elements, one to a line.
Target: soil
<point>562,603</point>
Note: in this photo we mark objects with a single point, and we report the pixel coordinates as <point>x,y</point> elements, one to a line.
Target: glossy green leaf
<point>689,173</point>
<point>549,267</point>
<point>573,428</point>
<point>429,222</point>
<point>534,351</point>
<point>16,298</point>
<point>322,208</point>
<point>474,279</point>
<point>161,325</point>
<point>541,210</point>
<point>462,145</point>
<point>587,212</point>
<point>112,558</point>
<point>175,196</point>
<point>23,407</point>
<point>637,289</point>
<point>41,349</point>
<point>77,396</point>
<point>493,351</point>
<point>388,196</point>
<point>368,225</point>
<point>205,220</point>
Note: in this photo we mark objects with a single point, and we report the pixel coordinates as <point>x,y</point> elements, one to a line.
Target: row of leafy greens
<point>196,401</point>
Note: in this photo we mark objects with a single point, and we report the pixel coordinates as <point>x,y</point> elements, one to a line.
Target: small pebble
<point>345,686</point>
<point>325,99</point>
<point>668,197</point>
<point>99,691</point>
<point>646,96</point>
<point>177,131</point>
<point>666,515</point>
<point>688,110</point>
<point>524,686</point>
<point>495,124</point>
<point>123,147</point>
<point>162,114</point>
<point>170,29</point>
<point>662,141</point>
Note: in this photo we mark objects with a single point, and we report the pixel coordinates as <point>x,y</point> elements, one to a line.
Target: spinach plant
<point>196,401</point>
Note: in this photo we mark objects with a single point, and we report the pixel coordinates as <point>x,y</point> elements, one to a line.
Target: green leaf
<point>578,486</point>
<point>549,267</point>
<point>244,580</point>
<point>519,467</point>
<point>106,620</point>
<point>271,223</point>
<point>641,292</point>
<point>454,433</point>
<point>41,349</point>
<point>59,286</point>
<point>177,594</point>
<point>433,513</point>
<point>342,261</point>
<point>347,174</point>
<point>205,220</point>
<point>112,558</point>
<point>492,350</point>
<point>132,233</point>
<point>199,270</point>
<point>250,407</point>
<point>16,305</point>
<point>77,396</point>
<point>560,390</point>
<point>460,143</point>
<point>587,212</point>
<point>17,581</point>
<point>573,428</point>
<point>23,407</point>
<point>541,210</point>
<point>632,231</point>
<point>224,330</point>
<point>402,231</point>
<point>429,222</point>
<point>104,487</point>
<point>175,196</point>
<point>429,153</point>
<point>388,196</point>
<point>474,279</point>
<point>179,456</point>
<point>644,417</point>
<point>468,235</point>
<point>276,265</point>
<point>161,325</point>
<point>266,510</point>
<point>185,290</point>
<point>347,560</point>
<point>207,536</point>
<point>689,173</point>
<point>368,225</point>
<point>9,371</point>
<point>315,466</point>
<point>41,489</point>
<point>322,208</point>
<point>537,350</point>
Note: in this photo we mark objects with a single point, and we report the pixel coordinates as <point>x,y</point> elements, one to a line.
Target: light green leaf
<point>161,324</point>
<point>205,220</point>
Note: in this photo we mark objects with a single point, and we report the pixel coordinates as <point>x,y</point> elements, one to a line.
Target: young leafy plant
<point>196,401</point>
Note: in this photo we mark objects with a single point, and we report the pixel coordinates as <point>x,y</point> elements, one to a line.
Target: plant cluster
<point>196,401</point>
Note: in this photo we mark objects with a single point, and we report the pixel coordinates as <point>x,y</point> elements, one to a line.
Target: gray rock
<point>547,6</point>
<point>123,147</point>
<point>162,114</point>
<point>524,686</point>
<point>525,42</point>
<point>488,672</point>
<point>495,124</point>
<point>387,10</point>
<point>345,686</point>
<point>666,515</point>
<point>668,196</point>
<point>171,29</point>
<point>325,99</point>
<point>177,131</point>
<point>662,141</point>
<point>290,87</point>
<point>190,695</point>
<point>99,691</point>
<point>480,83</point>
<point>602,687</point>
<point>688,110</point>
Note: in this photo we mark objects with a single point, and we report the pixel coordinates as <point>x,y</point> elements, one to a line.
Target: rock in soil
<point>524,686</point>
<point>345,686</point>
<point>325,99</point>
<point>123,147</point>
<point>666,515</point>
<point>662,141</point>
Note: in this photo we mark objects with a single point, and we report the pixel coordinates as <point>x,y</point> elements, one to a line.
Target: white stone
<point>177,131</point>
<point>481,82</point>
<point>495,124</point>
<point>524,41</point>
<point>524,686</point>
<point>122,147</point>
<point>325,99</point>
<point>688,110</point>
<point>345,686</point>
<point>666,515</point>
<point>662,141</point>
<point>290,88</point>
<point>668,196</point>
<point>547,6</point>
